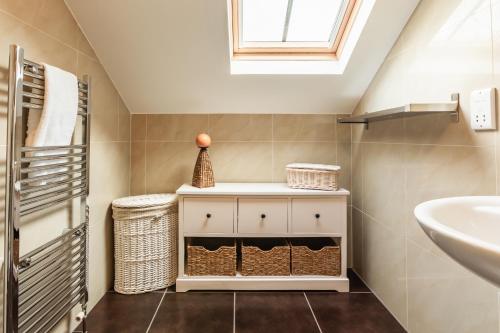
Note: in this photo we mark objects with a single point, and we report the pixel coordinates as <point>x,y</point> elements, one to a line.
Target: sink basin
<point>467,229</point>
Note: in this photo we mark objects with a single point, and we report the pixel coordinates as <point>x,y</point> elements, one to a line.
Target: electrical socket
<point>483,109</point>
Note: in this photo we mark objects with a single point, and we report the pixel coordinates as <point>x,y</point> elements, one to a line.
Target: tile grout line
<point>492,31</point>
<point>405,226</point>
<point>156,311</point>
<point>498,306</point>
<point>360,292</point>
<point>234,312</point>
<point>424,144</point>
<point>146,157</point>
<point>129,153</point>
<point>312,312</point>
<point>272,148</point>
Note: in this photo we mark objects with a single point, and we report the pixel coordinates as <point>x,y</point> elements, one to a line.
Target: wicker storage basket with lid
<point>145,231</point>
<point>313,176</point>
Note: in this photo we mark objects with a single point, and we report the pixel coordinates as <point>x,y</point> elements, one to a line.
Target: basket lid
<point>143,201</point>
<point>311,166</point>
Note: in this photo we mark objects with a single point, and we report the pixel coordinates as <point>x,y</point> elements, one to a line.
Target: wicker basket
<point>266,256</point>
<point>145,231</point>
<point>313,176</point>
<point>315,256</point>
<point>211,256</point>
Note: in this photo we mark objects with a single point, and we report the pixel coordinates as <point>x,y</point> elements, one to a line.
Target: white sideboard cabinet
<point>256,210</point>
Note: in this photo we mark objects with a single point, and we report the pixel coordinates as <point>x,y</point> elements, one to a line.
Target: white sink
<point>467,229</point>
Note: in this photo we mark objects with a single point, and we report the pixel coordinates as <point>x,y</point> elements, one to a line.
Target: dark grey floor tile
<point>195,312</point>
<point>352,313</point>
<point>122,313</point>
<point>273,312</point>
<point>355,283</point>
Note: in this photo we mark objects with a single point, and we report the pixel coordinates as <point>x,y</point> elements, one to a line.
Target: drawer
<point>262,216</point>
<point>319,215</point>
<point>208,215</point>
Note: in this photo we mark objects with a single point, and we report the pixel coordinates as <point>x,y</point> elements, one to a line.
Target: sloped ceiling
<point>171,56</point>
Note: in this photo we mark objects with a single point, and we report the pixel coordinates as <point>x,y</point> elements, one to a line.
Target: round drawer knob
<point>209,215</point>
<point>262,216</point>
<point>317,215</point>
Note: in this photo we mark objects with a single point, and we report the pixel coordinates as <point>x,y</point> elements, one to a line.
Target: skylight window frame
<point>294,50</point>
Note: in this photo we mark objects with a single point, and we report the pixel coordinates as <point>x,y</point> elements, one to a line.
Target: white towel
<point>55,124</point>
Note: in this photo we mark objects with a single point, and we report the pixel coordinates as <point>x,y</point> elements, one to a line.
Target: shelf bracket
<point>455,116</point>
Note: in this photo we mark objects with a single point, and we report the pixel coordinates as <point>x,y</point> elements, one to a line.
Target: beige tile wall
<point>48,33</point>
<point>245,148</point>
<point>446,47</point>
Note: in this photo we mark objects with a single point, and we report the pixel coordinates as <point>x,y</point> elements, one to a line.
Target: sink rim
<point>424,216</point>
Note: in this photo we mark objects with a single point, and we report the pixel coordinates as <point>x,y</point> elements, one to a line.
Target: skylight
<point>263,20</point>
<point>270,32</point>
<point>289,26</point>
<point>314,21</point>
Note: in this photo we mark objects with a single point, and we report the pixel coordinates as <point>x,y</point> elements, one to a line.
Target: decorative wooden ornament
<point>203,175</point>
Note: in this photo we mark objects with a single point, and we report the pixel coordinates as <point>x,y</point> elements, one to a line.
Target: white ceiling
<point>171,56</point>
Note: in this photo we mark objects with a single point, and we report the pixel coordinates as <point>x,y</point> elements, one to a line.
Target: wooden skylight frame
<point>297,52</point>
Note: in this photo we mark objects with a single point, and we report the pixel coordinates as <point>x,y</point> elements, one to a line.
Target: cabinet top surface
<point>264,189</point>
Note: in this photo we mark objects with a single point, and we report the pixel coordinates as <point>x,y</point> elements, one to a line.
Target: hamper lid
<point>311,166</point>
<point>143,201</point>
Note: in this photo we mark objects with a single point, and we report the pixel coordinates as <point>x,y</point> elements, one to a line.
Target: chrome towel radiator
<point>44,285</point>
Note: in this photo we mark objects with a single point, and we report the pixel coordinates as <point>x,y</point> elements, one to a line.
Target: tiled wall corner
<point>397,164</point>
<point>48,33</point>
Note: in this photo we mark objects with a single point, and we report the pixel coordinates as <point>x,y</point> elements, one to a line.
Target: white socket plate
<point>483,113</point>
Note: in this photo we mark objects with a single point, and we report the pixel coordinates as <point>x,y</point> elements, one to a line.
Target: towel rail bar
<point>62,311</point>
<point>38,188</point>
<point>28,105</point>
<point>33,75</point>
<point>28,94</point>
<point>32,105</point>
<point>42,280</point>
<point>53,175</point>
<point>48,148</point>
<point>29,272</point>
<point>50,195</point>
<point>34,85</point>
<point>43,312</point>
<point>46,288</point>
<point>75,231</point>
<point>42,88</point>
<point>43,286</point>
<point>52,166</point>
<point>33,64</point>
<point>51,204</point>
<point>46,297</point>
<point>32,95</point>
<point>52,157</point>
<point>32,261</point>
<point>55,319</point>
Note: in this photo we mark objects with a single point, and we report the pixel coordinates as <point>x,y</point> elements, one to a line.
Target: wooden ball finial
<point>203,140</point>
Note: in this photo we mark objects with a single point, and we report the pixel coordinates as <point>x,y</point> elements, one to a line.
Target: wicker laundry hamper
<point>145,230</point>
